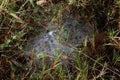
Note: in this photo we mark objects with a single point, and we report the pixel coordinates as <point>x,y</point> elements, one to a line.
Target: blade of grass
<point>32,3</point>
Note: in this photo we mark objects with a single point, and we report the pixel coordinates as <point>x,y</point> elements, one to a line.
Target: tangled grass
<point>22,19</point>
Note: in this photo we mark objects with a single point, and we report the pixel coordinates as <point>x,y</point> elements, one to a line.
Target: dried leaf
<point>12,76</point>
<point>41,2</point>
<point>53,63</point>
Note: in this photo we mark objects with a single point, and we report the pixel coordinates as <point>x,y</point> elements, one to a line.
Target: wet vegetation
<point>98,59</point>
